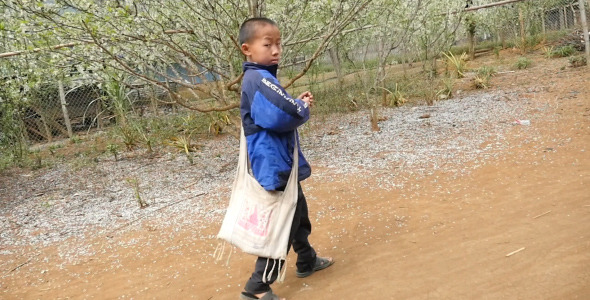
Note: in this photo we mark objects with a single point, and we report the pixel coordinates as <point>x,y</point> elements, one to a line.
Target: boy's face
<point>265,47</point>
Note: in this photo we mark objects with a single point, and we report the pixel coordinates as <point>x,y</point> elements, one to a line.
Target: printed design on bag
<point>255,221</point>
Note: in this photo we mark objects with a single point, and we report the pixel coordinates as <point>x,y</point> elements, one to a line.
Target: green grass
<point>564,51</point>
<point>523,63</point>
<point>553,36</point>
<point>578,61</point>
<point>457,62</point>
<point>486,71</point>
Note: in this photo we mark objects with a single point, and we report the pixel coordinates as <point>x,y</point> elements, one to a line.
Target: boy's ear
<point>246,49</point>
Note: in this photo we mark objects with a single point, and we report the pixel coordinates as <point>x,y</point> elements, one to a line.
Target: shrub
<point>533,40</point>
<point>482,78</point>
<point>458,63</point>
<point>564,51</point>
<point>396,96</point>
<point>548,52</point>
<point>486,71</point>
<point>578,61</point>
<point>497,51</point>
<point>523,63</point>
<point>446,91</point>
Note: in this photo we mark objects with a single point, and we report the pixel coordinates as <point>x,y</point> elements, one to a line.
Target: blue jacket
<point>270,117</point>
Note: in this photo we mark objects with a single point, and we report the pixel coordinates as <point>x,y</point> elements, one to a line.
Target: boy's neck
<point>272,68</point>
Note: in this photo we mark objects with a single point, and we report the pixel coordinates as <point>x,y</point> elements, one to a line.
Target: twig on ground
<point>538,216</point>
<point>514,252</point>
<point>26,262</point>
<point>110,234</point>
<point>19,266</point>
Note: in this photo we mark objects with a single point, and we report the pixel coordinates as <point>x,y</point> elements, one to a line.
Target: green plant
<point>523,63</point>
<point>75,139</point>
<point>37,160</point>
<point>396,98</point>
<point>486,71</point>
<point>429,92</point>
<point>458,63</point>
<point>578,61</point>
<point>482,78</point>
<point>184,144</point>
<point>53,148</point>
<point>218,120</point>
<point>564,51</point>
<point>446,91</point>
<point>147,139</point>
<point>134,183</point>
<point>342,98</point>
<point>114,150</point>
<point>13,143</point>
<point>533,40</point>
<point>548,52</point>
<point>497,51</point>
<point>117,97</point>
<point>128,135</point>
<point>480,82</point>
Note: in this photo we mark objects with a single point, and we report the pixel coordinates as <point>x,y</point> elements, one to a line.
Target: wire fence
<point>519,23</point>
<point>55,111</point>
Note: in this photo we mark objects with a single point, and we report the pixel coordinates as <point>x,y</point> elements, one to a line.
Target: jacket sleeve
<point>274,109</point>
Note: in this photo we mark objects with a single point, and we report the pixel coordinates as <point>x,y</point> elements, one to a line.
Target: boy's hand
<point>307,97</point>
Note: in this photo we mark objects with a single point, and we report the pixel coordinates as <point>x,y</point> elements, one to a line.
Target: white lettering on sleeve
<point>277,90</point>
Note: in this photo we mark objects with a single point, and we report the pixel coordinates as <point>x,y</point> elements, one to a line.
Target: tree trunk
<point>64,108</point>
<point>471,45</point>
<point>584,21</point>
<point>336,63</point>
<point>522,31</point>
<point>381,71</point>
<point>255,8</point>
<point>471,27</point>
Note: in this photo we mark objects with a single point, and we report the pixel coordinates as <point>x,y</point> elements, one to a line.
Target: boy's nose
<point>276,50</point>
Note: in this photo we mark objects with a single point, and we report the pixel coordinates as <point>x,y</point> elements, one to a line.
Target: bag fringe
<point>264,274</point>
<point>282,272</point>
<point>281,278</point>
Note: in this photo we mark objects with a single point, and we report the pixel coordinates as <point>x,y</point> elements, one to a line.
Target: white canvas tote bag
<point>259,221</point>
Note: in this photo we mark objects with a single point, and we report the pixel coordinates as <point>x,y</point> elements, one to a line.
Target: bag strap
<point>243,160</point>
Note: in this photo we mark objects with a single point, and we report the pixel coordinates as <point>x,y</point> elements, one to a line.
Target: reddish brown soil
<point>440,238</point>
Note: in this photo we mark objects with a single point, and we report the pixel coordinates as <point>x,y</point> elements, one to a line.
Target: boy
<point>270,118</point>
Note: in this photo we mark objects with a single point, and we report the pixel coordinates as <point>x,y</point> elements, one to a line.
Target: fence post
<point>561,19</point>
<point>584,21</point>
<point>46,127</point>
<point>64,108</point>
<point>543,16</point>
<point>522,31</point>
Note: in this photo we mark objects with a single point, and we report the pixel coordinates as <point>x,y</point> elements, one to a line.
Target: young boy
<point>270,117</point>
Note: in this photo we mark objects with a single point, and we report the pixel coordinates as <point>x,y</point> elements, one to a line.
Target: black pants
<point>306,255</point>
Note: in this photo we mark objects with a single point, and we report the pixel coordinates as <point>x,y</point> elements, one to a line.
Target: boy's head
<point>260,41</point>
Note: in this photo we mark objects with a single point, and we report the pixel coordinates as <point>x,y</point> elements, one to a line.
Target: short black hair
<point>248,28</point>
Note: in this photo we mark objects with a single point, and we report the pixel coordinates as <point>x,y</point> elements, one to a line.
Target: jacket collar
<point>254,66</point>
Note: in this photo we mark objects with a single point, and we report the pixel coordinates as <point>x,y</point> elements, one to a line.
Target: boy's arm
<point>274,109</point>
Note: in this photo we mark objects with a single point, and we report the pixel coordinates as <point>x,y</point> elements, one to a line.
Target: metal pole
<point>64,108</point>
<point>584,21</point>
